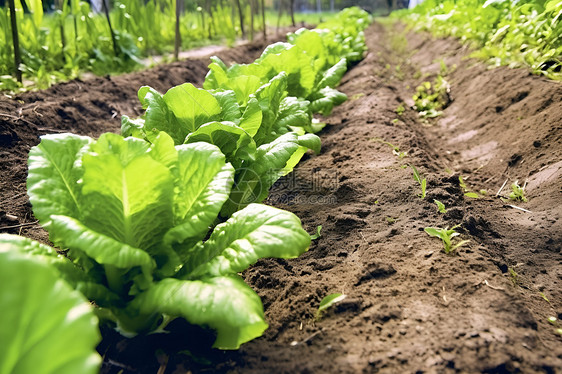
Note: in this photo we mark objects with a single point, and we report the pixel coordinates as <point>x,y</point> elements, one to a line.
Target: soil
<point>409,306</point>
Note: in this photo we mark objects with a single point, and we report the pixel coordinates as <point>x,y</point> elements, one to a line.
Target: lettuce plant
<point>46,326</point>
<point>258,140</point>
<point>139,221</point>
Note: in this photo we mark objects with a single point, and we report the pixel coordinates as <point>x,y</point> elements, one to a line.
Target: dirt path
<point>409,306</point>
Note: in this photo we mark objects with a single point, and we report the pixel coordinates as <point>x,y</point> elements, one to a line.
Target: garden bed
<point>409,306</point>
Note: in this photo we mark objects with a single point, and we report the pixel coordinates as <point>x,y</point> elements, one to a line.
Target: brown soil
<point>409,307</point>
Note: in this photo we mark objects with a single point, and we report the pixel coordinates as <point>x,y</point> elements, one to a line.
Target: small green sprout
<point>462,184</point>
<point>513,276</point>
<point>440,206</point>
<point>327,302</point>
<point>395,121</point>
<point>446,235</point>
<point>317,234</point>
<point>400,109</point>
<point>518,192</point>
<point>395,149</point>
<point>467,191</point>
<point>422,182</point>
<point>357,96</point>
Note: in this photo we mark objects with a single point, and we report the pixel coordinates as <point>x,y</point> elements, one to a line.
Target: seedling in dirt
<point>395,121</point>
<point>400,109</point>
<point>440,206</point>
<point>554,321</point>
<point>513,276</point>
<point>446,235</point>
<point>443,67</point>
<point>544,297</point>
<point>518,192</point>
<point>391,220</point>
<point>317,234</point>
<point>357,96</point>
<point>327,302</point>
<point>399,73</point>
<point>422,182</point>
<point>395,149</point>
<point>467,191</point>
<point>429,98</point>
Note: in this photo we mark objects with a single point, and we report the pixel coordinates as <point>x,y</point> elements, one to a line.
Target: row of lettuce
<point>157,223</point>
<point>514,33</point>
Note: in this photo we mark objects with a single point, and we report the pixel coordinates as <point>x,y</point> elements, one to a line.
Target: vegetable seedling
<point>440,206</point>
<point>327,302</point>
<point>317,235</point>
<point>446,235</point>
<point>422,182</point>
<point>467,191</point>
<point>518,192</point>
<point>395,149</point>
<point>513,276</point>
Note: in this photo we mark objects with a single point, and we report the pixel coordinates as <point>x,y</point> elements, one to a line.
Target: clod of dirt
<point>479,227</point>
<point>375,270</point>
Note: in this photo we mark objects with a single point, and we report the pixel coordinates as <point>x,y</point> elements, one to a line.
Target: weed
<point>400,109</point>
<point>422,182</point>
<point>446,235</point>
<point>395,121</point>
<point>391,220</point>
<point>357,96</point>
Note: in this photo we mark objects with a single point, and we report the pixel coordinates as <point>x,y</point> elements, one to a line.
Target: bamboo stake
<point>241,15</point>
<point>292,11</point>
<point>263,19</point>
<point>106,11</point>
<point>178,34</point>
<point>252,8</point>
<point>15,40</point>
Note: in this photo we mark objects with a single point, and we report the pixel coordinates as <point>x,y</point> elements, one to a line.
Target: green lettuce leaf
<point>255,232</point>
<point>42,317</point>
<point>226,304</point>
<point>325,99</point>
<point>252,182</point>
<point>53,176</point>
<point>236,144</point>
<point>230,109</point>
